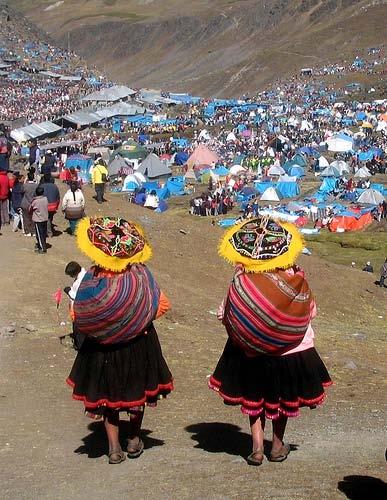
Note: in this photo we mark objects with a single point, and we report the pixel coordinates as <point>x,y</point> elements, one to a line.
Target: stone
<point>350,365</point>
<point>30,328</point>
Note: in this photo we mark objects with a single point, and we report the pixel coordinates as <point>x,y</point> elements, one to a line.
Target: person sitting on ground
<point>152,200</point>
<point>368,268</point>
<point>140,197</point>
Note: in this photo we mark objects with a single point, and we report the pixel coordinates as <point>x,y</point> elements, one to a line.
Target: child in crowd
<point>75,271</point>
<point>39,211</point>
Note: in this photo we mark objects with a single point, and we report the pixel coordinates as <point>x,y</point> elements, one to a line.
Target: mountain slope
<point>211,47</point>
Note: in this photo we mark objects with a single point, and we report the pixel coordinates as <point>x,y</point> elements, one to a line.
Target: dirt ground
<point>195,446</point>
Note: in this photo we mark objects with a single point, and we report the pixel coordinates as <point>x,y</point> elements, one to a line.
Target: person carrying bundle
<point>269,365</point>
<point>120,366</point>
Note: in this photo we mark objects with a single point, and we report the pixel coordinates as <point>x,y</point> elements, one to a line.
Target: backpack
<point>104,177</point>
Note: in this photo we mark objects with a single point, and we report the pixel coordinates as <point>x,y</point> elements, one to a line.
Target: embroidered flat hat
<point>113,243</point>
<point>262,244</point>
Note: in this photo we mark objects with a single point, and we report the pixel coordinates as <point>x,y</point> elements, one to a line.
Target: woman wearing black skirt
<point>269,366</point>
<point>120,366</point>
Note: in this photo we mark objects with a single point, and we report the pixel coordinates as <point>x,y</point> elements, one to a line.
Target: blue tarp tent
<point>298,159</point>
<point>181,158</point>
<point>80,161</point>
<point>221,171</point>
<point>150,185</point>
<point>261,187</point>
<point>163,193</point>
<point>377,187</point>
<point>180,143</point>
<point>328,185</point>
<point>288,189</point>
<point>176,185</point>
<point>297,171</point>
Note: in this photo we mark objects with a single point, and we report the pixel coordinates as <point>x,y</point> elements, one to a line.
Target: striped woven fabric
<point>268,312</point>
<point>116,307</point>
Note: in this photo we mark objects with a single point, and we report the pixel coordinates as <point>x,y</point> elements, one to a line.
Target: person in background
<point>5,150</point>
<point>140,197</point>
<point>29,189</point>
<point>368,268</point>
<point>16,201</point>
<point>73,206</point>
<point>39,211</point>
<point>152,200</point>
<point>51,192</point>
<point>99,177</point>
<point>34,156</point>
<point>49,163</point>
<point>4,195</point>
<point>383,274</point>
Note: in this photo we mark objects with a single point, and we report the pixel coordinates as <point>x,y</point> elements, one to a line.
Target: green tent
<point>132,151</point>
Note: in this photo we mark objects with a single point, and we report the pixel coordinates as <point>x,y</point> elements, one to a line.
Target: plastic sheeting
<point>288,189</point>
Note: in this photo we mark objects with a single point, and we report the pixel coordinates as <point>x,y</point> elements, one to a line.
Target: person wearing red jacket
<point>4,196</point>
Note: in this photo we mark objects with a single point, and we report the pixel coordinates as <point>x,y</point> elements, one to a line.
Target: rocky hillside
<point>212,47</point>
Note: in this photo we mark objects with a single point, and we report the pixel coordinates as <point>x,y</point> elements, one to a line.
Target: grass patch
<point>345,248</point>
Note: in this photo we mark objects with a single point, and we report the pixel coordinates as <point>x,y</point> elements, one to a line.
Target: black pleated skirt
<point>275,385</point>
<point>121,376</point>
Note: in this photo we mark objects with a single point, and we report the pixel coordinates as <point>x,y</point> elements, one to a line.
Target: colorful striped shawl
<point>116,307</point>
<point>268,312</point>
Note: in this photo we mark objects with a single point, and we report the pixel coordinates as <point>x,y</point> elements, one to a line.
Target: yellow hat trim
<point>228,252</point>
<point>105,261</point>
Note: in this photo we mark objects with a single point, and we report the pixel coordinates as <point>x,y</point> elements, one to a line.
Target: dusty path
<point>195,444</point>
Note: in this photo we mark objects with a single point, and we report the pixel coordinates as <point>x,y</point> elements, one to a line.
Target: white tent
<point>340,144</point>
<point>341,166</point>
<point>323,162</point>
<point>371,197</point>
<point>276,170</point>
<point>204,135</point>
<point>330,172</point>
<point>270,194</point>
<point>237,169</point>
<point>231,137</point>
<point>362,173</point>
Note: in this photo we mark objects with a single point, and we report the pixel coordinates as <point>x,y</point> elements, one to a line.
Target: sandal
<point>255,458</point>
<point>137,451</point>
<point>116,457</point>
<point>280,455</point>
